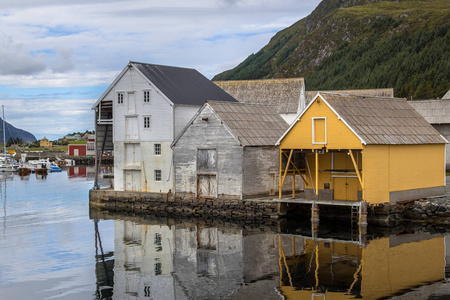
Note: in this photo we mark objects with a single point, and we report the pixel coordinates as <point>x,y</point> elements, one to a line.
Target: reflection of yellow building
<point>332,270</point>
<point>46,143</point>
<point>363,148</point>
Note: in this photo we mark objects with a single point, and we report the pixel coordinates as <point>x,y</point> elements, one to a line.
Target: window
<point>206,160</point>
<point>319,131</point>
<point>158,175</point>
<point>157,149</point>
<point>119,98</point>
<point>146,96</point>
<point>147,122</point>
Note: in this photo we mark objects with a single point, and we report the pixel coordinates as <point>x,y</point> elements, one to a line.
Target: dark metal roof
<point>182,85</point>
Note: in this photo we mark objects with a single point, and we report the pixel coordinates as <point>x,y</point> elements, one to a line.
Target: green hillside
<point>346,44</point>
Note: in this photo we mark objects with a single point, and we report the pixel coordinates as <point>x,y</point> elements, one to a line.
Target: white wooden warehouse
<point>141,113</point>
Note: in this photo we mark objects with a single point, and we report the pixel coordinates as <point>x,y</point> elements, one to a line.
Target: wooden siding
<point>392,168</point>
<point>210,134</point>
<point>339,136</point>
<point>260,167</point>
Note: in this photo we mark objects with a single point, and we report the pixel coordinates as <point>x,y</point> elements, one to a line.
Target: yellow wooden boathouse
<point>378,150</point>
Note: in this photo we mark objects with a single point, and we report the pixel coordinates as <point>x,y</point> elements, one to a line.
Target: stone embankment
<point>185,206</point>
<point>433,210</point>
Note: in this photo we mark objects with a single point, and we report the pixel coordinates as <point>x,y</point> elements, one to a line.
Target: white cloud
<point>79,43</point>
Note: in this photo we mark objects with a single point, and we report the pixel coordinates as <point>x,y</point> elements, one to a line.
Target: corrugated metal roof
<point>378,120</point>
<point>284,93</point>
<point>182,85</point>
<point>253,124</point>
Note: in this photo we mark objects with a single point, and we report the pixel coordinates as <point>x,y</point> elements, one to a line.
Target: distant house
<point>287,95</point>
<point>76,150</point>
<point>90,145</point>
<point>364,148</point>
<point>46,143</point>
<point>139,116</point>
<point>72,137</point>
<point>228,151</point>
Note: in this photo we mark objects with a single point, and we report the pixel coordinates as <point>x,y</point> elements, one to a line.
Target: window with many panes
<point>120,98</point>
<point>147,122</point>
<point>146,96</point>
<point>158,175</point>
<point>157,149</point>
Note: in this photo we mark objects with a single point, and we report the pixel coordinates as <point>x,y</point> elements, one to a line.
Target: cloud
<point>14,60</point>
<point>55,55</point>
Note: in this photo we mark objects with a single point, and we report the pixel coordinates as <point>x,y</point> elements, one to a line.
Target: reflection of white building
<point>143,261</point>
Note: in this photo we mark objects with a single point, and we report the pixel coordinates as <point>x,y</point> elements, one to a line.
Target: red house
<point>77,150</point>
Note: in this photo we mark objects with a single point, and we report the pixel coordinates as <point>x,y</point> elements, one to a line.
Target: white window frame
<point>314,131</point>
<point>147,125</point>
<point>146,94</point>
<point>157,146</point>
<point>156,175</point>
<point>120,98</point>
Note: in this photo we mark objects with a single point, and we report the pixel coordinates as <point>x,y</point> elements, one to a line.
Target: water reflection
<point>165,258</point>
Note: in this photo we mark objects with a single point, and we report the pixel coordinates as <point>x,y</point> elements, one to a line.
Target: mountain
<point>358,44</point>
<point>12,131</point>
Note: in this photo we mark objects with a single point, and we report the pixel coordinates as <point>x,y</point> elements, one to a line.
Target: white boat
<point>42,165</point>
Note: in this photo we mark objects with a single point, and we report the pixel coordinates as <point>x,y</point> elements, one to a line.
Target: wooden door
<point>132,180</point>
<point>346,188</point>
<point>206,185</point>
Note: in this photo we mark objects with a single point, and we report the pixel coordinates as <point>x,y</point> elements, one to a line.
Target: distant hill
<point>26,136</point>
<point>358,44</point>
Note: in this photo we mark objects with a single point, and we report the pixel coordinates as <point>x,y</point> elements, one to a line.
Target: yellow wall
<point>390,168</point>
<point>390,270</point>
<point>386,270</point>
<point>339,136</point>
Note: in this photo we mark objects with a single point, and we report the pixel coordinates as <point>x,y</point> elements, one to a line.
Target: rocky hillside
<point>355,44</point>
<point>14,132</point>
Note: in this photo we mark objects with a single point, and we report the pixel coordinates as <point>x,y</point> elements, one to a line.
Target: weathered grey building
<point>227,150</point>
<point>287,94</point>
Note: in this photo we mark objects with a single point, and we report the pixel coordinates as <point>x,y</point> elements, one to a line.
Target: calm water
<point>53,247</point>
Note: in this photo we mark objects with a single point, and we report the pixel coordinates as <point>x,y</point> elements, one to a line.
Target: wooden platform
<point>318,202</point>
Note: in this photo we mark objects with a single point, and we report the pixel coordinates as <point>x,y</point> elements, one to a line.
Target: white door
<point>76,152</point>
<point>133,180</point>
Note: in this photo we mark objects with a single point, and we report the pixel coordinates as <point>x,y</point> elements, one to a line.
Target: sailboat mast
<point>4,132</point>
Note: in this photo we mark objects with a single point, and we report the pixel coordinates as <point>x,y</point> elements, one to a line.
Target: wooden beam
<point>279,175</point>
<point>287,167</point>
<point>356,168</point>
<point>317,173</point>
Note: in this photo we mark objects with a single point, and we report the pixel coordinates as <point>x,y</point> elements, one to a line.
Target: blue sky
<point>57,57</point>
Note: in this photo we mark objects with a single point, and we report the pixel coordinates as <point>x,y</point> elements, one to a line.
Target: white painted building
<point>141,113</point>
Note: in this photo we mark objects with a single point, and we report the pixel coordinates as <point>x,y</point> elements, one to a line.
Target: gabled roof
<point>179,85</point>
<point>250,124</point>
<point>253,124</point>
<point>446,96</point>
<point>283,93</point>
<point>182,85</point>
<point>383,121</point>
<point>378,120</point>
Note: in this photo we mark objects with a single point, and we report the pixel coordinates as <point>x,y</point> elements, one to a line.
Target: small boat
<point>43,166</point>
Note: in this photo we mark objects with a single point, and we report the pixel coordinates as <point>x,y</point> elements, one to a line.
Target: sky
<point>57,57</point>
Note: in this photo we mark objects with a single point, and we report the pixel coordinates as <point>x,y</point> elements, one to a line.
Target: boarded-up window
<point>132,154</point>
<point>206,160</point>
<point>206,185</point>
<point>319,130</point>
<point>131,128</point>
